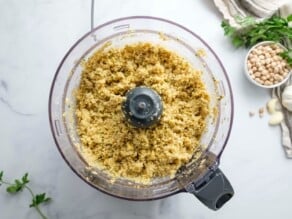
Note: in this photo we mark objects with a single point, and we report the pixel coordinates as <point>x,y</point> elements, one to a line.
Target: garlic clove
<point>272,105</point>
<point>287,98</point>
<point>276,118</point>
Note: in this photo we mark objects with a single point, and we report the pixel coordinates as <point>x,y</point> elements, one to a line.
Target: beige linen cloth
<point>260,9</point>
<point>286,124</point>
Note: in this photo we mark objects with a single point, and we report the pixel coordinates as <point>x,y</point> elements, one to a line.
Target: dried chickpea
<point>268,83</point>
<point>265,72</point>
<point>263,78</point>
<point>259,80</point>
<point>257,74</point>
<point>268,61</point>
<point>261,57</point>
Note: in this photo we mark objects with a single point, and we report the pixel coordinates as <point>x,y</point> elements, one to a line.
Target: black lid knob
<point>143,107</point>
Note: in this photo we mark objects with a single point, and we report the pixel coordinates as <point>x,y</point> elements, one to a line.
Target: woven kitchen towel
<point>258,9</point>
<point>286,124</point>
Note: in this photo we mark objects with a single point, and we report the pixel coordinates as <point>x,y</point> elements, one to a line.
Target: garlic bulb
<point>287,98</point>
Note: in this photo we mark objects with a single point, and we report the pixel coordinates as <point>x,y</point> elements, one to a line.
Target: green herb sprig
<point>21,184</point>
<point>275,29</point>
<point>288,56</point>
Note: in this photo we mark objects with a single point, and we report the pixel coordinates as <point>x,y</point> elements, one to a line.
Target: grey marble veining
<point>35,35</point>
<point>5,103</point>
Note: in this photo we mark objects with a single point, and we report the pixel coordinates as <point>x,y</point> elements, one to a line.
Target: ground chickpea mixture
<point>110,142</point>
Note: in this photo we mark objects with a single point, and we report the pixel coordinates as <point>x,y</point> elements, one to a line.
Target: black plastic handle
<point>213,190</point>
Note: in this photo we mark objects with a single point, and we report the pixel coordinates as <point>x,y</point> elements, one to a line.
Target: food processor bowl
<point>201,175</point>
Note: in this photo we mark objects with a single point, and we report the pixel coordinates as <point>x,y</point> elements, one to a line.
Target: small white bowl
<point>247,71</point>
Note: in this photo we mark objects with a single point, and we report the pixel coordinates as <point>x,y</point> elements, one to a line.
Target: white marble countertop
<point>34,36</point>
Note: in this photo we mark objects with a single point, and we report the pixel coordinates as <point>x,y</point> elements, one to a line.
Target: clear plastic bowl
<point>174,37</point>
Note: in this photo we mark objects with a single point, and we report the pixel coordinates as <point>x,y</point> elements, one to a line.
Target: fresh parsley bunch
<point>275,29</point>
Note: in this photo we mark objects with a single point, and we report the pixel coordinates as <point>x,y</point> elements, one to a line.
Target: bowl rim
<point>246,71</point>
